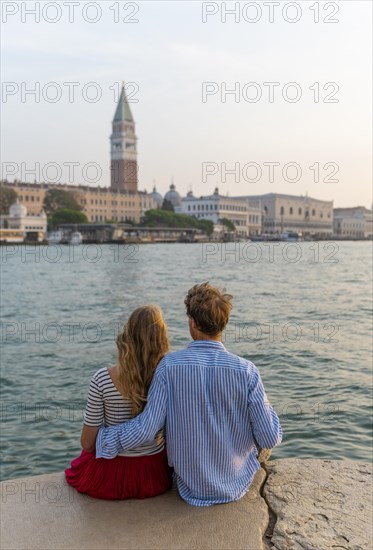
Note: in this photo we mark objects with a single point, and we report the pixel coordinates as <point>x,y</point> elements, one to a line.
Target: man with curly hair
<point>213,406</point>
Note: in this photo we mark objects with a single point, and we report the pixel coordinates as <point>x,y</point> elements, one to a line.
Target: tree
<point>55,199</point>
<point>7,197</point>
<point>228,224</point>
<point>168,206</point>
<point>165,218</point>
<point>207,226</point>
<point>65,215</point>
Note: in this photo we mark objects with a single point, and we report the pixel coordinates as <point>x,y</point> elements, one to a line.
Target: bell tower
<point>123,152</point>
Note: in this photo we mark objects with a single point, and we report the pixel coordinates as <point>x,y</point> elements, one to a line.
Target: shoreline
<point>171,241</point>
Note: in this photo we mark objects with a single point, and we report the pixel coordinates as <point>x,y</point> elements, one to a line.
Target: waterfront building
<point>290,213</point>
<point>216,207</point>
<point>355,222</point>
<point>20,224</point>
<point>99,204</point>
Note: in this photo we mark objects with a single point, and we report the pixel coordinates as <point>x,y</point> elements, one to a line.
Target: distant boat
<point>55,237</point>
<point>76,238</point>
<point>291,236</point>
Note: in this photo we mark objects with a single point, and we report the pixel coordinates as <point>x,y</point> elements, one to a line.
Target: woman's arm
<point>88,437</point>
<point>93,416</point>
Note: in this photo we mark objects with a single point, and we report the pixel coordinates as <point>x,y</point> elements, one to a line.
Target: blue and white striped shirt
<point>212,404</point>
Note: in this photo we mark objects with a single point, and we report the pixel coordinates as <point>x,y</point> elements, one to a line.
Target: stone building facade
<point>246,218</point>
<point>290,213</point>
<point>99,204</point>
<point>354,223</point>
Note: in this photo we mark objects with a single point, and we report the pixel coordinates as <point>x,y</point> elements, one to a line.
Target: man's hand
<point>104,449</point>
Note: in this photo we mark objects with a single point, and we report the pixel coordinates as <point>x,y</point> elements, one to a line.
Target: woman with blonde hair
<point>117,394</point>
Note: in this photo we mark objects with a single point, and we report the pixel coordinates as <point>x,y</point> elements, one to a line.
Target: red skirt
<point>121,477</point>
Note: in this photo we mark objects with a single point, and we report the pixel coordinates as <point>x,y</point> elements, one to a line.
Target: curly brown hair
<point>209,307</point>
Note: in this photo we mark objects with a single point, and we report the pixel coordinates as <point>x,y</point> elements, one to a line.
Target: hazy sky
<point>169,54</point>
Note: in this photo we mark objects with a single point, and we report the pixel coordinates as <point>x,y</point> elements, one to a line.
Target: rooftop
<point>281,196</point>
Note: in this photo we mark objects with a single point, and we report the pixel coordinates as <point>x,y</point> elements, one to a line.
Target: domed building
<point>18,225</point>
<point>17,210</point>
<point>157,197</point>
<point>173,197</point>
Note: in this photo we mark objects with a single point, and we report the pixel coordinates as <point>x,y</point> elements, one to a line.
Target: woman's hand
<point>88,438</point>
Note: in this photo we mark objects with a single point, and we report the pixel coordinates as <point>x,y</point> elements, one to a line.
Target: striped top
<point>106,406</point>
<point>213,404</point>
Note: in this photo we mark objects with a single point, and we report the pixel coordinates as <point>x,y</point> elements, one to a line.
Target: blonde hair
<point>141,345</point>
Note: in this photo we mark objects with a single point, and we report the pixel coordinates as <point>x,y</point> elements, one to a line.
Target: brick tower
<point>123,151</point>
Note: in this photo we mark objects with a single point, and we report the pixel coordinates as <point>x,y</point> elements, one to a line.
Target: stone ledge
<point>44,513</point>
<point>313,505</point>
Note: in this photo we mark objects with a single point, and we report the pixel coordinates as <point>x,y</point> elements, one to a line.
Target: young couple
<point>206,405</point>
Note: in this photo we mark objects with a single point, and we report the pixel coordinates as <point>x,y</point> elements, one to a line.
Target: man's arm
<point>264,420</point>
<point>144,427</point>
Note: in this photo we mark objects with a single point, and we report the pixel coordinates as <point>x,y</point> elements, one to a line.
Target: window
<point>313,212</point>
<point>290,210</point>
<point>282,211</point>
<point>216,206</point>
<point>300,211</point>
<point>188,207</point>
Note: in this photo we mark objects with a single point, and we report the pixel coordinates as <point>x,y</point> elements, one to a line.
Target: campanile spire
<point>123,151</point>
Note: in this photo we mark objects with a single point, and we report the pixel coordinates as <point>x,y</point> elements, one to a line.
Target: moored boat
<point>55,237</point>
<point>76,238</point>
